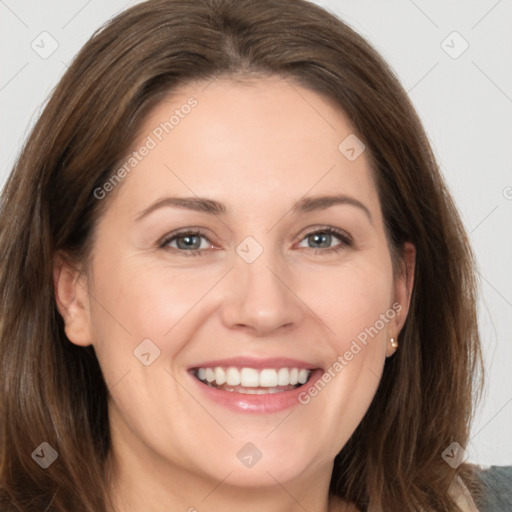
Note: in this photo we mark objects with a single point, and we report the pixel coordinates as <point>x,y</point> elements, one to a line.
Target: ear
<point>72,298</point>
<point>404,283</point>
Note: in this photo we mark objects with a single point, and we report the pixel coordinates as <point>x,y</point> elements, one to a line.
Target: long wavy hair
<point>53,391</point>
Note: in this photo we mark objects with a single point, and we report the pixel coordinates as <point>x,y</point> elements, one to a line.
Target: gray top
<point>497,481</point>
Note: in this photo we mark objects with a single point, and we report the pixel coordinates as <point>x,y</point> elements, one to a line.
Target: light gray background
<point>464,102</point>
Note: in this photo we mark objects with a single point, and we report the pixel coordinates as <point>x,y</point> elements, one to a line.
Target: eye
<point>322,240</point>
<point>191,242</point>
<point>194,242</point>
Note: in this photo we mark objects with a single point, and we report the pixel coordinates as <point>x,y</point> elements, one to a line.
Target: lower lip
<point>267,403</point>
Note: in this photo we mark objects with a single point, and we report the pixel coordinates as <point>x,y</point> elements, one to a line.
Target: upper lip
<point>256,363</point>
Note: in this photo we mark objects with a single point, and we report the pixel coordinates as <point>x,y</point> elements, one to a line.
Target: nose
<point>260,298</point>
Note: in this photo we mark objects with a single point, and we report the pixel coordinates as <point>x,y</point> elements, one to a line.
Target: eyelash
<point>345,240</point>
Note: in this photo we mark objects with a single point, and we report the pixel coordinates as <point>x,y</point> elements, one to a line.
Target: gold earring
<point>394,343</point>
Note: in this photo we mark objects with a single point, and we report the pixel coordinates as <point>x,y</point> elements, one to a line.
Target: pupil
<point>188,242</point>
<point>323,239</point>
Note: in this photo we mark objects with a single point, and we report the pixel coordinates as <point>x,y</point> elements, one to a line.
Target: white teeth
<point>233,377</point>
<point>269,378</point>
<point>283,377</point>
<point>249,378</point>
<point>303,376</point>
<point>220,376</point>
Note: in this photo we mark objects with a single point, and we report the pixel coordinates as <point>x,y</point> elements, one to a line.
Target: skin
<point>257,148</point>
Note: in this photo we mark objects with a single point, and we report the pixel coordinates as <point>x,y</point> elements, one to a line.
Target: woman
<point>319,350</point>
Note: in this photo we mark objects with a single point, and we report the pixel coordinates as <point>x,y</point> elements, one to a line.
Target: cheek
<point>354,303</point>
<point>149,301</point>
<point>135,302</point>
<point>352,299</point>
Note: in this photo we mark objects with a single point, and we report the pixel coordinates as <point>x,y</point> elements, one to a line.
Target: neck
<point>149,483</point>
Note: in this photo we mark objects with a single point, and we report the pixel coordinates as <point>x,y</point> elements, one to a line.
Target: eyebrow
<point>309,204</point>
<point>210,206</point>
<point>198,204</point>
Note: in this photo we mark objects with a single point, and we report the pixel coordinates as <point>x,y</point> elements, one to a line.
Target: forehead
<point>246,143</point>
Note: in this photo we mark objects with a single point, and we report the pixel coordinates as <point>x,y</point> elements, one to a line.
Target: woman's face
<point>246,242</point>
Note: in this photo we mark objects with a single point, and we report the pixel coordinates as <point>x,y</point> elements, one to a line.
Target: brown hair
<point>53,391</point>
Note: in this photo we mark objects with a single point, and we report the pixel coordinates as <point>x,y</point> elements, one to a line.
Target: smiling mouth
<point>252,381</point>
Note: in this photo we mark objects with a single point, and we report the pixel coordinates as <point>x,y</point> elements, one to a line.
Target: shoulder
<point>496,493</point>
<point>497,489</point>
